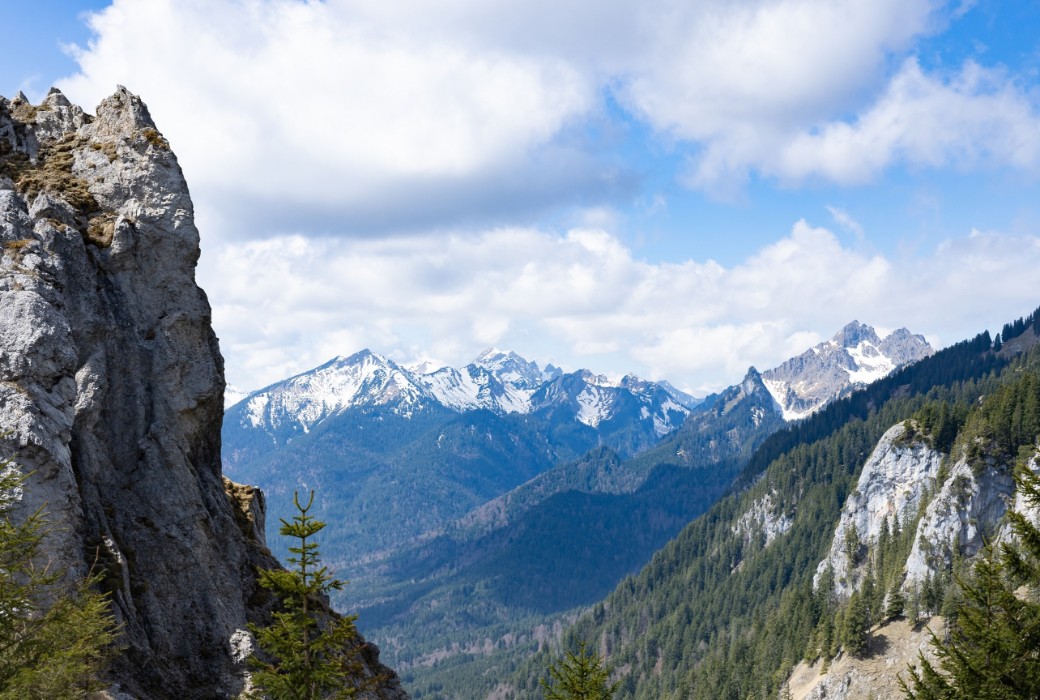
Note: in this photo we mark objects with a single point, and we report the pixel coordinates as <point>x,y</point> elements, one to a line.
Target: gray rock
<point>111,386</point>
<point>896,476</point>
<point>853,358</point>
<point>966,510</point>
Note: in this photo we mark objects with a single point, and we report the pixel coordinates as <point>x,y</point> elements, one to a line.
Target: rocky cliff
<point>111,391</point>
<point>954,509</point>
<point>894,480</point>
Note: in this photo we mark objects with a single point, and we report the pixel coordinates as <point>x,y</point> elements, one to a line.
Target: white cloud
<point>978,118</point>
<point>729,69</point>
<point>281,105</point>
<point>367,117</point>
<point>307,130</point>
<point>845,220</point>
<point>582,299</point>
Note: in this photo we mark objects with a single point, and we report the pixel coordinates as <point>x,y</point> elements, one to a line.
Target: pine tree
<point>852,546</point>
<point>579,676</point>
<point>873,596</point>
<point>896,603</point>
<point>55,637</point>
<point>913,605</point>
<point>311,653</point>
<point>855,626</point>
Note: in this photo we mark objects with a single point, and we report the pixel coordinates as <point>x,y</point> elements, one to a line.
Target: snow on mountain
<point>680,396</point>
<point>233,395</point>
<point>474,387</point>
<point>853,358</point>
<point>510,368</point>
<point>593,405</point>
<point>498,381</point>
<point>594,398</point>
<point>364,378</point>
<point>424,367</point>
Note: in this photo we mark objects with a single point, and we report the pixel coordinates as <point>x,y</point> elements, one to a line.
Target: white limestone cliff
<point>966,511</point>
<point>895,477</point>
<point>111,391</point>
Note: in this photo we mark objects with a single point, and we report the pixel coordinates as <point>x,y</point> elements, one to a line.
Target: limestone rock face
<point>893,481</point>
<point>967,510</point>
<point>111,391</point>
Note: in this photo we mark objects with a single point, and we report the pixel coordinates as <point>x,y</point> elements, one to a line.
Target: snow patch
<point>663,421</point>
<point>593,406</point>
<point>779,389</point>
<point>233,395</point>
<point>256,408</point>
<point>871,365</point>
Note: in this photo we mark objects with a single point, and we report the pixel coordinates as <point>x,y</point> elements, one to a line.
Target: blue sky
<point>671,188</point>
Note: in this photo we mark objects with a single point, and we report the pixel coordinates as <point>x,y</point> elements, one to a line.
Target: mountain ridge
<point>854,357</point>
<point>499,381</point>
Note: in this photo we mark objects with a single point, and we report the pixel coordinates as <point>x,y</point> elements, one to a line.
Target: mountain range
<point>496,381</point>
<point>446,488</point>
<point>503,382</point>
<point>793,535</point>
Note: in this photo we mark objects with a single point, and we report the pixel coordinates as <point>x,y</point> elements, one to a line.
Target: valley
<point>477,518</point>
<point>692,478</point>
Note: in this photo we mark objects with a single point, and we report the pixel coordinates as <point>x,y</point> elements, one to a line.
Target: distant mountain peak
<point>494,356</point>
<point>855,333</point>
<point>424,366</point>
<point>510,368</point>
<point>853,358</point>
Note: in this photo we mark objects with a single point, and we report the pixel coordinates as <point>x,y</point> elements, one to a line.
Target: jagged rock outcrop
<point>893,481</point>
<point>966,511</point>
<point>963,511</point>
<point>853,358</point>
<point>111,391</point>
<point>764,520</point>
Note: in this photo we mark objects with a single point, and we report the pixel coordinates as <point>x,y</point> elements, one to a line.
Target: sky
<point>674,189</point>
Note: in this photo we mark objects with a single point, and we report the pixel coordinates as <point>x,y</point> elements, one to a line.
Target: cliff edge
<point>111,392</point>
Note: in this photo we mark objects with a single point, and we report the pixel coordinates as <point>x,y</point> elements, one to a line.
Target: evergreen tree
<point>873,596</point>
<point>913,605</point>
<point>314,653</point>
<point>896,603</point>
<point>852,545</point>
<point>579,676</point>
<point>55,637</point>
<point>855,626</point>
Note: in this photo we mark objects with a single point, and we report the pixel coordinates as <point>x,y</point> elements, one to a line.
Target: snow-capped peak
<point>510,368</point>
<point>854,357</point>
<point>233,395</point>
<point>424,366</point>
<point>499,381</point>
<point>363,378</point>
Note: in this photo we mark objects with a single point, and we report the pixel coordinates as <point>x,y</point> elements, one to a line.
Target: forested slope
<point>727,608</point>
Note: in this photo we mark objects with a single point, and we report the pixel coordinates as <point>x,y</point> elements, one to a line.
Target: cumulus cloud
<point>287,107</point>
<point>583,299</point>
<point>366,117</point>
<point>978,118</point>
<point>310,131</point>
